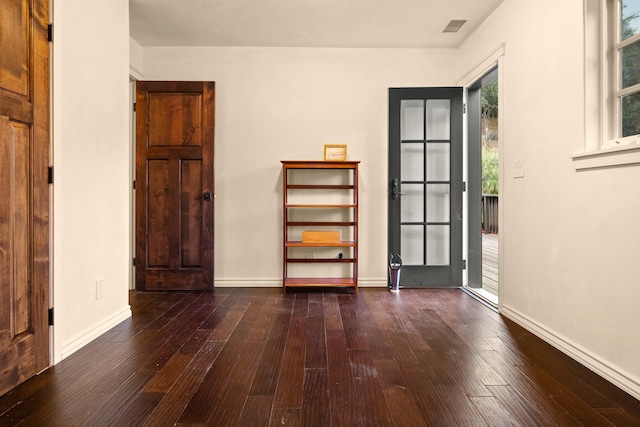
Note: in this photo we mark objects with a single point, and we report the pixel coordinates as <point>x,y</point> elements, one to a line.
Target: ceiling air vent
<point>454,26</point>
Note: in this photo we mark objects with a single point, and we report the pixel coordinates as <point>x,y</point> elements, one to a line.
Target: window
<point>623,24</point>
<point>612,84</point>
<point>616,47</point>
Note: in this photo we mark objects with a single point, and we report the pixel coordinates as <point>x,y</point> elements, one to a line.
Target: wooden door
<point>174,185</point>
<point>24,194</point>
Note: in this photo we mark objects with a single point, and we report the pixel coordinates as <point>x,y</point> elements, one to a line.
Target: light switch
<point>518,169</point>
<point>100,288</point>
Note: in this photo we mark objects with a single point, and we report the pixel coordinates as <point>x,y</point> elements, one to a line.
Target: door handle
<point>394,189</point>
<point>207,196</point>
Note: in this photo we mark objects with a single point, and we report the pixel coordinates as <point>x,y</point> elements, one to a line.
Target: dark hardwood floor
<point>255,357</point>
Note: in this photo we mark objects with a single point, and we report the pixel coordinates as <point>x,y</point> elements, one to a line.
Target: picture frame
<point>335,152</point>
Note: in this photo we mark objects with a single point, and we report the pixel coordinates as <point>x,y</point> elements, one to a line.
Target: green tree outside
<point>489,112</point>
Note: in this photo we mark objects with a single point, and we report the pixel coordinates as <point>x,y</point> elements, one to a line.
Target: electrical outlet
<point>99,289</point>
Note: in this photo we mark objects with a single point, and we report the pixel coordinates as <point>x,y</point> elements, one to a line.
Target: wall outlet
<point>99,289</point>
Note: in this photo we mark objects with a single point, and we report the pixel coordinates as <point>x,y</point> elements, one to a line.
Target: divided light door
<point>24,204</point>
<point>425,184</point>
<point>174,185</point>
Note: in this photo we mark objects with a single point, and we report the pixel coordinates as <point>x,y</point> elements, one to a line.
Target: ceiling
<point>305,23</point>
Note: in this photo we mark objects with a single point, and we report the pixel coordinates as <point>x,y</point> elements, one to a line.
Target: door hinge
<point>134,184</point>
<point>464,186</point>
<point>50,32</point>
<point>50,175</point>
<point>464,108</point>
<point>134,106</point>
<point>134,262</point>
<point>464,264</point>
<point>50,316</point>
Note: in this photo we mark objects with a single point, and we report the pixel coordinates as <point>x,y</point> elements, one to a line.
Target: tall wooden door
<point>174,185</point>
<point>24,194</point>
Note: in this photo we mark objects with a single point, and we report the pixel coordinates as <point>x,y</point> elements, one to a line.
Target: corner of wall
<point>85,337</point>
<point>135,60</point>
<point>604,368</point>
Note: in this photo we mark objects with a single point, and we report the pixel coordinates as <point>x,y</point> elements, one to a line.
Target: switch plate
<point>518,169</point>
<point>99,289</point>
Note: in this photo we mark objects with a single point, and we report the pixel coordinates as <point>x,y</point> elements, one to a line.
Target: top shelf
<point>319,164</point>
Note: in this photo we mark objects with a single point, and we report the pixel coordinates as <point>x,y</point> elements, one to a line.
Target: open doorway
<point>483,202</point>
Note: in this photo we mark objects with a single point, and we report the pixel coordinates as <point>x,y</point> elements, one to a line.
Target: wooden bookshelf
<point>313,214</point>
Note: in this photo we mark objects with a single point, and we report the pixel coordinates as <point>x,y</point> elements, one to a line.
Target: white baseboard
<point>607,370</point>
<point>372,283</point>
<point>247,283</point>
<point>277,283</point>
<point>90,334</point>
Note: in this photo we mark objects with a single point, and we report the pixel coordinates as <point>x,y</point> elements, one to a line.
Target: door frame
<point>132,177</point>
<point>495,59</point>
<point>474,178</point>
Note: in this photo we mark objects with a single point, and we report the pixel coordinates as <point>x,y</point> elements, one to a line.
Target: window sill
<point>608,157</point>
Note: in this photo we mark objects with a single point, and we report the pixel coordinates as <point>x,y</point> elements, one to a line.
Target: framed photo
<point>335,152</point>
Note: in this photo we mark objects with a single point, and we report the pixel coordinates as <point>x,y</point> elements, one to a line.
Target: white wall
<point>286,103</point>
<point>136,59</point>
<point>570,239</point>
<point>91,163</point>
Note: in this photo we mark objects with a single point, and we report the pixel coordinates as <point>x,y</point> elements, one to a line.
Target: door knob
<point>207,196</point>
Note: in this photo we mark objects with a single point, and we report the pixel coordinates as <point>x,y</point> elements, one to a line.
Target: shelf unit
<point>320,195</point>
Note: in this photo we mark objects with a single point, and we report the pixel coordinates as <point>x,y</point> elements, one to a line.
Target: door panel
<point>174,170</point>
<point>24,205</point>
<point>15,52</point>
<point>425,178</point>
<point>191,207</point>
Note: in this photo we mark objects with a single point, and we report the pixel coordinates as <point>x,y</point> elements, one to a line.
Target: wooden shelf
<point>321,260</point>
<point>320,206</point>
<point>312,182</point>
<point>299,244</point>
<point>319,187</point>
<point>319,164</point>
<point>320,223</point>
<point>322,281</point>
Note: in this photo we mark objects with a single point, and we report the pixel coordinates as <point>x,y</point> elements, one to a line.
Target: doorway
<point>483,195</point>
<point>425,185</point>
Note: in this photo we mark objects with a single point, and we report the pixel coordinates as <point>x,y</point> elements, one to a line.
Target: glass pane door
<point>425,140</point>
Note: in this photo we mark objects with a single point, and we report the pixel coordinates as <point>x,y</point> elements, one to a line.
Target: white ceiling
<point>305,23</point>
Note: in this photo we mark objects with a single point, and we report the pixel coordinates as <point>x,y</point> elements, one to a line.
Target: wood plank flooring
<point>490,263</point>
<point>255,357</point>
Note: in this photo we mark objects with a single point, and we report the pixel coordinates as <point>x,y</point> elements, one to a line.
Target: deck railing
<point>490,213</point>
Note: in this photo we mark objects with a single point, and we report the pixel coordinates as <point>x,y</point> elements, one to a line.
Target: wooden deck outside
<point>490,263</point>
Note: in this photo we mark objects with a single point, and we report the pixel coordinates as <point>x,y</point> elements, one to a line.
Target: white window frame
<point>612,63</point>
<point>603,144</point>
